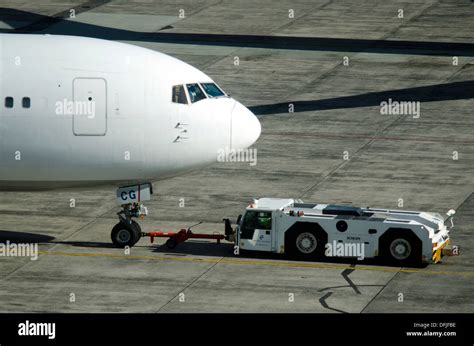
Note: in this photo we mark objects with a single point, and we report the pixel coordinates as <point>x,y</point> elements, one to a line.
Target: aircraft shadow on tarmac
<point>89,244</point>
<point>212,249</point>
<point>28,22</point>
<point>430,93</point>
<point>37,238</point>
<point>24,237</point>
<point>18,20</point>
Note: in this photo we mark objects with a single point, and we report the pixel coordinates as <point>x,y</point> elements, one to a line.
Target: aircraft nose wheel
<point>125,234</point>
<point>128,232</point>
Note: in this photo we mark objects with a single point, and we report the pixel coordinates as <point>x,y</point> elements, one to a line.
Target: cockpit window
<point>195,92</point>
<point>179,94</point>
<point>212,90</point>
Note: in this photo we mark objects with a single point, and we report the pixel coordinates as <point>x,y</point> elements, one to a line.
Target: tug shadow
<point>212,249</point>
<point>188,248</point>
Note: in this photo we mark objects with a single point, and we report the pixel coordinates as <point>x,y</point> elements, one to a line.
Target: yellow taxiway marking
<point>263,263</point>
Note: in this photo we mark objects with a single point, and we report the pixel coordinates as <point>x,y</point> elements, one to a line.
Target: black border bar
<point>219,329</point>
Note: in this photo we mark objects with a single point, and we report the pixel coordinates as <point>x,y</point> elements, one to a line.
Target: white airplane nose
<point>246,128</point>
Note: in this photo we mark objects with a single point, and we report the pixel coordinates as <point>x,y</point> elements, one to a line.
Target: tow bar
<point>176,238</point>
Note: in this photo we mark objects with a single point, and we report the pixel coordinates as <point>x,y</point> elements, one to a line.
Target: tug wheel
<point>171,243</point>
<point>401,249</point>
<point>306,245</point>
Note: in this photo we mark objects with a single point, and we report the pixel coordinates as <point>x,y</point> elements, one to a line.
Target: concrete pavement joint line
<point>263,263</point>
<point>219,59</point>
<point>82,227</point>
<point>187,17</point>
<point>352,156</point>
<point>419,139</point>
<point>188,285</point>
<point>384,37</point>
<point>463,201</point>
<point>52,247</point>
<point>198,11</point>
<point>379,292</point>
<point>405,22</point>
<point>370,141</point>
<point>305,14</point>
<point>366,145</point>
<point>48,21</point>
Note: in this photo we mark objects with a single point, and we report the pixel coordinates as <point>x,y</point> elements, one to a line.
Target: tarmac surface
<point>335,147</point>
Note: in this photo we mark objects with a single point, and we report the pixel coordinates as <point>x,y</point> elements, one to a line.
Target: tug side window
<point>258,219</point>
<point>264,220</point>
<point>179,95</point>
<point>255,220</point>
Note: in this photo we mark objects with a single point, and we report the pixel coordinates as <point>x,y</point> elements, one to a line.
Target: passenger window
<point>26,102</point>
<point>179,94</point>
<point>9,102</point>
<point>195,92</point>
<point>212,90</point>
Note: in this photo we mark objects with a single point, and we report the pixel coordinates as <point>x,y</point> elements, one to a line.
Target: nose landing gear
<point>128,232</point>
